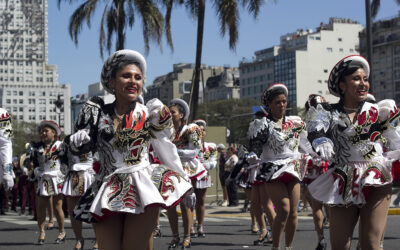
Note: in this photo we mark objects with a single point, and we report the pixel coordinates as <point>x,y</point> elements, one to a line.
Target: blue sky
<point>80,65</point>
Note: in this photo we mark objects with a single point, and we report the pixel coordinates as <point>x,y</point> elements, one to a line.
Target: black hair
<point>271,96</point>
<point>348,71</point>
<point>180,109</point>
<point>121,65</point>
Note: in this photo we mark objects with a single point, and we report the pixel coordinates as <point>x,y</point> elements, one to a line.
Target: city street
<point>226,228</point>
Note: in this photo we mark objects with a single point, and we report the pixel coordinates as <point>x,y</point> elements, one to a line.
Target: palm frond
<point>228,17</point>
<point>167,19</point>
<point>102,35</point>
<point>193,7</point>
<point>253,6</point>
<point>81,14</point>
<point>111,26</point>
<point>152,22</point>
<point>375,5</point>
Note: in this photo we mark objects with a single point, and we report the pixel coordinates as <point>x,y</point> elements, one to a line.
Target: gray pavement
<point>225,227</point>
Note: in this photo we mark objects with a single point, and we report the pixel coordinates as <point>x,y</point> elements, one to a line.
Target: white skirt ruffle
<point>348,184</point>
<point>76,183</point>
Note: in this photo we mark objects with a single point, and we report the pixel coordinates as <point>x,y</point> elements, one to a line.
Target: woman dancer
<point>80,176</point>
<point>207,156</point>
<point>188,141</point>
<point>282,166</point>
<point>355,132</point>
<point>48,156</point>
<point>124,200</point>
<point>316,168</point>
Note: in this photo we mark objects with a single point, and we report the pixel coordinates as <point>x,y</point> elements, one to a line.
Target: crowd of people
<point>127,160</point>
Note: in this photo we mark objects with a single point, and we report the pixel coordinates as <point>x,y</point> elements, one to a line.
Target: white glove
<point>79,138</point>
<point>189,200</point>
<point>325,150</point>
<point>253,159</point>
<point>8,181</point>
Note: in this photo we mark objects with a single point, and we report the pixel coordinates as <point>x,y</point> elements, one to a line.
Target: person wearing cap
<point>207,156</point>
<point>48,157</point>
<point>274,145</point>
<point>123,200</point>
<point>352,135</point>
<point>188,142</point>
<point>6,169</point>
<point>316,167</point>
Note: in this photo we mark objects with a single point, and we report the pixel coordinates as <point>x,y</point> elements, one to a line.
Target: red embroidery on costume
<point>138,123</point>
<point>165,114</point>
<point>114,185</point>
<point>168,184</point>
<point>341,182</point>
<point>129,197</point>
<point>136,148</point>
<point>374,136</point>
<point>362,117</point>
<point>96,166</point>
<point>396,170</point>
<point>394,112</point>
<point>373,114</point>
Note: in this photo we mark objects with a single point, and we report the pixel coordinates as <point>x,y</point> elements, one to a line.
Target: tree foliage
<point>235,114</point>
<point>23,132</point>
<point>117,16</point>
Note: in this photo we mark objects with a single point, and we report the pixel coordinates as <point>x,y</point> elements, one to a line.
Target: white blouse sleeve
<point>162,131</point>
<point>390,117</point>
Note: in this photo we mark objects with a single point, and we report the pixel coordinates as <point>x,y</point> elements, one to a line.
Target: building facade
<point>385,82</point>
<point>223,86</point>
<point>29,87</point>
<point>302,61</point>
<point>177,84</point>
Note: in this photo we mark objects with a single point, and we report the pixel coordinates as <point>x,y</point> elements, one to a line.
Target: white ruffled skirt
<point>348,184</point>
<point>76,183</point>
<point>154,185</point>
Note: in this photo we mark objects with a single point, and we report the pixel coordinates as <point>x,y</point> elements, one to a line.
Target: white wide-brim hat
<point>50,124</point>
<point>343,65</point>
<point>115,60</point>
<point>183,104</point>
<point>200,122</point>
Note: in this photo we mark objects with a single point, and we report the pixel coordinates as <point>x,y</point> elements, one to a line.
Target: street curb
<point>394,211</point>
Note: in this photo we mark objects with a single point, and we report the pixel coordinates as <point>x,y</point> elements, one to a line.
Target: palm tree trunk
<point>199,47</point>
<point>120,27</point>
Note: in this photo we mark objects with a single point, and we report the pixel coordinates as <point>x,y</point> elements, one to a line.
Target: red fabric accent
<point>396,170</point>
<point>285,178</point>
<point>96,166</point>
<point>366,191</point>
<point>257,183</point>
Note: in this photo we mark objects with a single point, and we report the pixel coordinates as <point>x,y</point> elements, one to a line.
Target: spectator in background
<point>222,174</point>
<point>23,183</point>
<point>231,185</point>
<point>14,190</point>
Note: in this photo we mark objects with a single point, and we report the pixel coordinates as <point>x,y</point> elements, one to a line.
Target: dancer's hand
<point>325,150</point>
<point>79,138</point>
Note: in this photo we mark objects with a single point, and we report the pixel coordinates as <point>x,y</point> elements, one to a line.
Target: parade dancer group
<point>128,159</point>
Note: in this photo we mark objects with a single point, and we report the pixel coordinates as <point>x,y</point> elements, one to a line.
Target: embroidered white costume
<point>49,167</point>
<point>6,169</point>
<point>207,156</point>
<point>80,174</point>
<point>126,181</point>
<point>188,142</point>
<point>360,160</point>
<point>278,149</point>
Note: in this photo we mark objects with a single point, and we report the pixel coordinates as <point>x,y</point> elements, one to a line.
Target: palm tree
<point>228,17</point>
<point>117,16</point>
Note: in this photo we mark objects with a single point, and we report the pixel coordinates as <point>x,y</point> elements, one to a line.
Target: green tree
<point>117,16</point>
<point>228,18</point>
<point>23,132</point>
<point>235,114</point>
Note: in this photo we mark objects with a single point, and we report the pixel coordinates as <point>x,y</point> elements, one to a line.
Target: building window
<point>21,101</point>
<point>8,101</point>
<point>325,71</point>
<point>341,50</point>
<point>339,39</point>
<point>21,109</point>
<point>317,38</point>
<point>21,93</point>
<point>329,49</point>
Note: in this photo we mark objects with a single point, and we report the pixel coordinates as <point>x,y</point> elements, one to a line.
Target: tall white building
<point>302,61</point>
<point>223,86</point>
<point>29,87</point>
